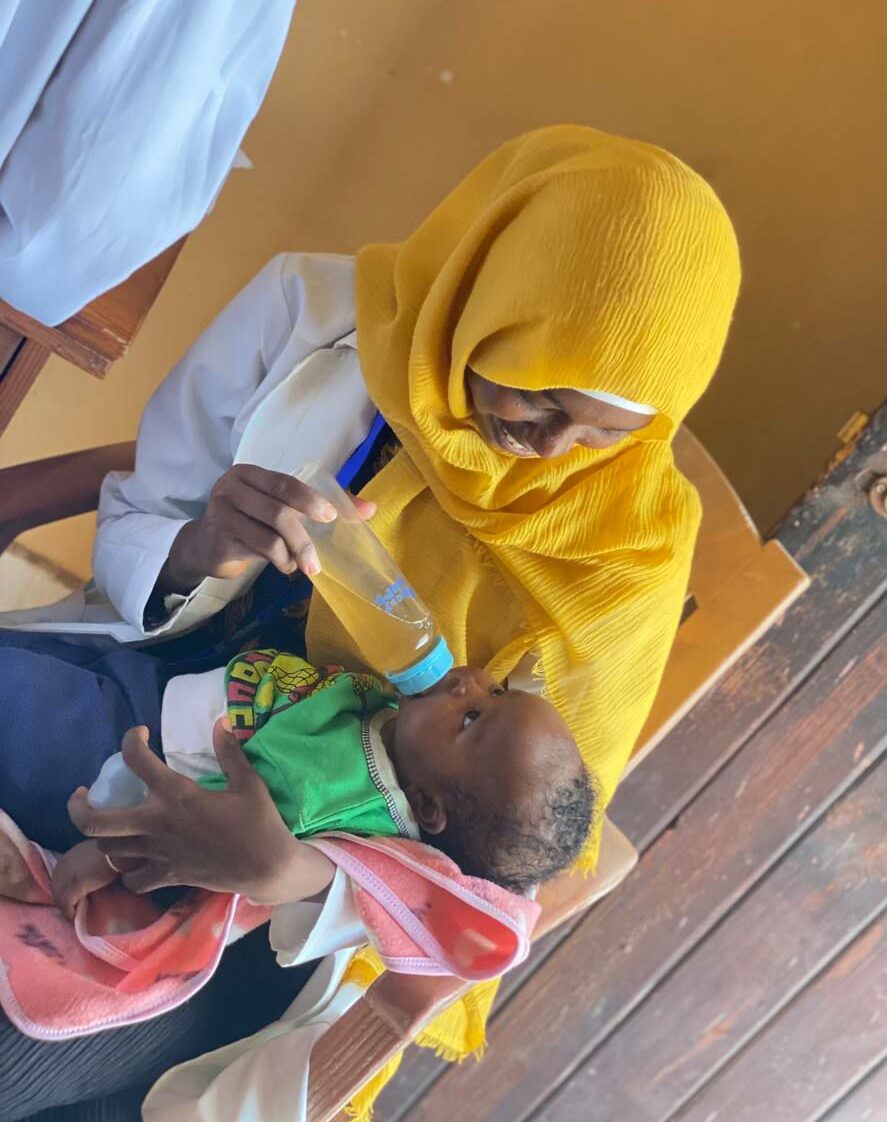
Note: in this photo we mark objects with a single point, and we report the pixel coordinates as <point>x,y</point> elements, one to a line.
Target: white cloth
<point>621,402</point>
<point>265,1076</point>
<point>118,125</point>
<point>303,931</point>
<point>191,705</point>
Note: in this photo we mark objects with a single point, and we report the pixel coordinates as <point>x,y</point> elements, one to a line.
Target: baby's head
<point>494,778</point>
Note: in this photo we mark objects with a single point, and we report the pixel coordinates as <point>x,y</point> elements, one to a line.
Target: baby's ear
<point>428,809</point>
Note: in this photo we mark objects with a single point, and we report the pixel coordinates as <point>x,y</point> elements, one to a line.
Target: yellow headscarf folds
<point>567,259</point>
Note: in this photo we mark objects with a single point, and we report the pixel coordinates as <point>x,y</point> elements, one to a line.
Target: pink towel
<point>424,917</point>
<point>124,961</point>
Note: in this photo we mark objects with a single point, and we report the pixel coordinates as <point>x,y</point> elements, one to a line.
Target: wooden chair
<point>93,339</point>
<point>739,586</point>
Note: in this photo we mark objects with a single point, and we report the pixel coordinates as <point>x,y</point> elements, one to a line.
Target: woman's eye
<point>533,402</point>
<point>469,717</point>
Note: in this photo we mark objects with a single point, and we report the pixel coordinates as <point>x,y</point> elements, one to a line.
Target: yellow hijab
<point>567,259</point>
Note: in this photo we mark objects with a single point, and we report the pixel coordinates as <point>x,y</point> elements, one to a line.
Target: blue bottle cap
<point>425,673</point>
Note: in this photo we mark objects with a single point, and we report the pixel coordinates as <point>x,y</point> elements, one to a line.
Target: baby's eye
<point>469,717</point>
<point>497,691</point>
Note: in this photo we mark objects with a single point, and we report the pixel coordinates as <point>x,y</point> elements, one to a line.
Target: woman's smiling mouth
<point>506,440</point>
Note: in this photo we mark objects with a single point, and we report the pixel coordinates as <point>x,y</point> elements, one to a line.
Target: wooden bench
<point>739,586</point>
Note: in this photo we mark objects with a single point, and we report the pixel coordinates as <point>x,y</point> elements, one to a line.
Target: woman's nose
<point>555,439</point>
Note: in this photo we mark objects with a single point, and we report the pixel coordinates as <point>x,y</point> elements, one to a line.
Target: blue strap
<point>356,460</point>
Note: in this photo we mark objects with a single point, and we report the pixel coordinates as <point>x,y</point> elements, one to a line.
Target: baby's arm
<point>80,872</point>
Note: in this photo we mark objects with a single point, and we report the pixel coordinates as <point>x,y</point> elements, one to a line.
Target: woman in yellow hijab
<point>534,346</point>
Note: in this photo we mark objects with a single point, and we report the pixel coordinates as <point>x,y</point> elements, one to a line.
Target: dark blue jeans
<point>63,710</point>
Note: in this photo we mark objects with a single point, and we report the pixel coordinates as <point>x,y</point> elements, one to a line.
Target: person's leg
<point>102,1072</point>
<point>63,710</point>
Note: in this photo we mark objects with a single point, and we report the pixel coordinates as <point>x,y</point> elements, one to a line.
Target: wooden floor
<point>740,973</point>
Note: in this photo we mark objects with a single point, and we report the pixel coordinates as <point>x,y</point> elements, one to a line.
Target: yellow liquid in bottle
<point>388,643</point>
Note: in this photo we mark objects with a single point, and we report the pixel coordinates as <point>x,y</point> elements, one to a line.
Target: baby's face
<point>472,730</point>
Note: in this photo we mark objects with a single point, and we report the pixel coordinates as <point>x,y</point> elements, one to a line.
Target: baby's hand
<point>79,872</point>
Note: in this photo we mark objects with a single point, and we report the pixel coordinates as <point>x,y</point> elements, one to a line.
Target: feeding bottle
<point>371,597</point>
<point>116,785</point>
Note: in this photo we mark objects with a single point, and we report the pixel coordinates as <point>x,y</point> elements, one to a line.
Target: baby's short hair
<point>518,846</point>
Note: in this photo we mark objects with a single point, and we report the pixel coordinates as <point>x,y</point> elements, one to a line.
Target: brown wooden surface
<point>10,341</point>
<point>102,332</point>
<point>864,1102</point>
<point>738,588</point>
<point>357,1045</point>
<point>824,1040</point>
<point>17,377</point>
<point>816,902</point>
<point>546,1031</point>
<point>842,547</point>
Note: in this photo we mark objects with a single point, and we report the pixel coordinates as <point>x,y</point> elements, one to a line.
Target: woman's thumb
<point>228,752</point>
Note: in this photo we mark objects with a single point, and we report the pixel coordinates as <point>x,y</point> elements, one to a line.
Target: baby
<point>490,776</point>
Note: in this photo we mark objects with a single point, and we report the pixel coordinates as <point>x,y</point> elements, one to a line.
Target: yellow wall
<point>780,103</point>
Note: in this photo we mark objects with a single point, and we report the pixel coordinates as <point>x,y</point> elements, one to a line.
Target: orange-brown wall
<point>379,106</point>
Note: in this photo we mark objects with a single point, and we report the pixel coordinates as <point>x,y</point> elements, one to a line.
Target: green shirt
<point>313,734</point>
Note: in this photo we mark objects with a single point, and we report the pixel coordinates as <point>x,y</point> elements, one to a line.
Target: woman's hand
<point>252,514</point>
<point>227,841</point>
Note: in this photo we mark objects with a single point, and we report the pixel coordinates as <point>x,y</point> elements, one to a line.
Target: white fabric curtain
<point>119,121</point>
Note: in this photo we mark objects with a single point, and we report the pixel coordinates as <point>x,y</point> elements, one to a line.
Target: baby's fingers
<point>67,891</point>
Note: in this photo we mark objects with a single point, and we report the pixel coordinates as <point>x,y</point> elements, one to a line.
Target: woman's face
<point>546,423</point>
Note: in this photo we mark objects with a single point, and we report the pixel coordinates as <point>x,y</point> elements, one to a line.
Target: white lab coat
<point>118,125</point>
<point>274,380</point>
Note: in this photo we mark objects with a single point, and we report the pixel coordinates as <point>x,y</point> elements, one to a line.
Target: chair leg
<point>23,364</point>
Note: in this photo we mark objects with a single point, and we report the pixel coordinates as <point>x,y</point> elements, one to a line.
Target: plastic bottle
<point>370,595</point>
<point>117,785</point>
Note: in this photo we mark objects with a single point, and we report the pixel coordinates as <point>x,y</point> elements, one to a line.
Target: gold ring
<point>112,866</point>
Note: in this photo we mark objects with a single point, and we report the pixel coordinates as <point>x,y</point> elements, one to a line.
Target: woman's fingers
<point>146,878</point>
<point>231,757</point>
<point>364,507</point>
<point>254,539</point>
<point>127,853</point>
<point>140,758</point>
<point>104,823</point>
<point>252,514</point>
<point>265,513</point>
<point>286,491</point>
